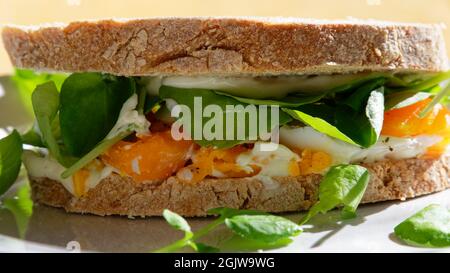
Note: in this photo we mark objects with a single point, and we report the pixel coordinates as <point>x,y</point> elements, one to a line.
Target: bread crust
<point>228,46</point>
<point>117,195</point>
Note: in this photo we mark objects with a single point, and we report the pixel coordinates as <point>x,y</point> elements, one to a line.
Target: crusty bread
<point>390,180</point>
<point>228,46</point>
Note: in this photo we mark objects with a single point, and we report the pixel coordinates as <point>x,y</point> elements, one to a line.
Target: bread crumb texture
<point>227,46</point>
<point>117,195</point>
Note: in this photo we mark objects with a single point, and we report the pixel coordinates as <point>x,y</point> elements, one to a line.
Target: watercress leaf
<point>45,100</point>
<point>318,110</point>
<point>239,243</point>
<point>10,160</point>
<point>440,96</point>
<point>203,248</point>
<point>187,97</point>
<point>319,124</point>
<point>356,126</point>
<point>375,110</point>
<point>101,148</point>
<point>27,80</point>
<point>362,126</point>
<point>130,120</point>
<point>358,99</point>
<point>33,137</point>
<point>21,206</point>
<point>176,221</point>
<point>266,228</point>
<point>291,100</point>
<point>362,80</point>
<point>430,81</point>
<point>342,185</point>
<point>90,106</point>
<point>404,98</point>
<point>429,227</point>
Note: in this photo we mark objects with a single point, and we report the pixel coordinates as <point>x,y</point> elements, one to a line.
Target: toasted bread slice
<point>228,46</point>
<point>117,195</point>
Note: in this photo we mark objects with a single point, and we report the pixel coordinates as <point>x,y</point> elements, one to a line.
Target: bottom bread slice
<point>118,195</point>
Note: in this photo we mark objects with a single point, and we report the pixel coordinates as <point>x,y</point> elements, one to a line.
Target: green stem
<point>435,101</point>
<point>431,82</point>
<point>141,101</point>
<point>97,151</point>
<point>174,246</point>
<point>202,232</point>
<point>188,239</point>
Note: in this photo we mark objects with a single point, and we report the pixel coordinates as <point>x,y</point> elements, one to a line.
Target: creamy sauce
<point>272,163</point>
<point>40,166</point>
<point>130,119</point>
<point>256,87</point>
<point>342,152</point>
<point>44,166</point>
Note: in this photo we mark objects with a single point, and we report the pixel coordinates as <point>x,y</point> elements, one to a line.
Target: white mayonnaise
<point>255,87</point>
<point>342,152</point>
<point>272,163</point>
<point>130,119</point>
<point>44,166</point>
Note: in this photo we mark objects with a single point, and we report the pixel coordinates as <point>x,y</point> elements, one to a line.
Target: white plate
<point>52,229</point>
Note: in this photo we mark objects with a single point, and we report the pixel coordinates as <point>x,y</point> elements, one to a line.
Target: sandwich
<point>190,114</point>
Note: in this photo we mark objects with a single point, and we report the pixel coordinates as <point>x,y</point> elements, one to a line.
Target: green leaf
<point>405,98</point>
<point>45,100</point>
<point>342,185</point>
<point>10,160</point>
<point>356,120</point>
<point>265,228</point>
<point>429,227</point>
<point>362,126</point>
<point>358,99</point>
<point>101,148</point>
<point>27,80</point>
<point>319,110</point>
<point>291,100</point>
<point>21,206</point>
<point>209,97</point>
<point>203,248</point>
<point>90,107</point>
<point>441,96</point>
<point>430,82</point>
<point>179,223</point>
<point>122,129</point>
<point>319,124</point>
<point>262,231</point>
<point>176,221</point>
<point>237,242</point>
<point>33,137</point>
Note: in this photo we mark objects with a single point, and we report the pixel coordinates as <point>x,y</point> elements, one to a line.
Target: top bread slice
<point>228,46</point>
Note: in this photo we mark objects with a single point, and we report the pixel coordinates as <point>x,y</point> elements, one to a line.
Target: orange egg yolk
<point>312,161</point>
<point>79,182</point>
<point>406,122</point>
<point>208,160</point>
<point>80,178</point>
<point>153,157</point>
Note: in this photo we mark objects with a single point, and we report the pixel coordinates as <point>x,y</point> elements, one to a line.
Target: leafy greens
<point>267,230</point>
<point>188,97</point>
<point>10,160</point>
<point>429,227</point>
<point>90,107</point>
<point>342,185</point>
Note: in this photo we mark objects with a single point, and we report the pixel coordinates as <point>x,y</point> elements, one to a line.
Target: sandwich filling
<point>319,121</point>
